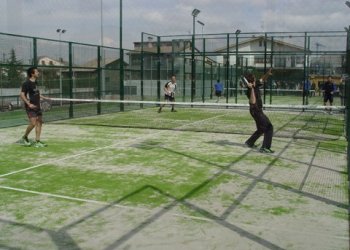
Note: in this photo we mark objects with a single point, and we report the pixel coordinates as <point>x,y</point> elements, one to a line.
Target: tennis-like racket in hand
<point>245,81</point>
<point>45,105</point>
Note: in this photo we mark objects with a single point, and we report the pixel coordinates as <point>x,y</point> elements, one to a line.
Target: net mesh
<point>296,121</point>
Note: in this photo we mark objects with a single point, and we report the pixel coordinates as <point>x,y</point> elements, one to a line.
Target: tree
<point>14,71</point>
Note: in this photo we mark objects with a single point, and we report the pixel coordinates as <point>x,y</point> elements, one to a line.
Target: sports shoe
<point>39,144</point>
<point>251,146</point>
<point>24,141</point>
<point>266,150</point>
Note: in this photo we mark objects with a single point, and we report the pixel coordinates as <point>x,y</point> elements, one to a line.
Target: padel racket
<point>45,105</point>
<point>245,81</point>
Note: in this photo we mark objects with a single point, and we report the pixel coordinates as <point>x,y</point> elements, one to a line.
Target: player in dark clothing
<point>263,124</point>
<point>30,95</point>
<point>328,90</point>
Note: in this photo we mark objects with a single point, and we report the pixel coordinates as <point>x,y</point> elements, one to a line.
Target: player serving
<point>169,93</point>
<point>263,124</point>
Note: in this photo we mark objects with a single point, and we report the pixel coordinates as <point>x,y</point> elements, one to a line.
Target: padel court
<point>146,180</point>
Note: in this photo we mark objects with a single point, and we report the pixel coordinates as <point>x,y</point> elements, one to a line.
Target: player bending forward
<point>169,93</point>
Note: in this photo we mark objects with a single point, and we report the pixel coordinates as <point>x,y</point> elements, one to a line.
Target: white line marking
<point>101,203</point>
<point>132,140</point>
<point>55,160</point>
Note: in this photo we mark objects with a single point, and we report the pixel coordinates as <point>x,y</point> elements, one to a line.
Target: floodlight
<point>195,12</point>
<point>347,3</point>
<point>201,23</point>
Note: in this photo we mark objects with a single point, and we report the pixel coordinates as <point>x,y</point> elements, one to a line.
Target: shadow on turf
<point>61,238</point>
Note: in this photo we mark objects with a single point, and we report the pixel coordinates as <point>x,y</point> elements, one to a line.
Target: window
<point>261,59</point>
<point>280,62</point>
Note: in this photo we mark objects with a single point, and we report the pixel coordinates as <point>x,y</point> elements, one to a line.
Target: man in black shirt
<point>30,95</point>
<point>263,124</point>
<point>328,90</point>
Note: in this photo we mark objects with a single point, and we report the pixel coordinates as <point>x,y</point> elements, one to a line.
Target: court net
<point>297,121</point>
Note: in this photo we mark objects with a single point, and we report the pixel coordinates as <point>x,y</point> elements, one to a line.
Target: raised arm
<point>252,98</point>
<point>266,75</point>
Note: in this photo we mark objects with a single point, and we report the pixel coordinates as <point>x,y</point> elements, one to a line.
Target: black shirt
<point>31,91</point>
<point>328,87</point>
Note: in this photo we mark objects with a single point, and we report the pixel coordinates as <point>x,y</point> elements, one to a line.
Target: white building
<point>251,53</point>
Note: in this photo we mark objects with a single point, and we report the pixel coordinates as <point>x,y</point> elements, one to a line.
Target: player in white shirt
<point>169,93</point>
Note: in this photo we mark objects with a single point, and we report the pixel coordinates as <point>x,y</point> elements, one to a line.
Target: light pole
<point>202,24</point>
<point>60,32</point>
<point>150,45</point>
<point>195,13</point>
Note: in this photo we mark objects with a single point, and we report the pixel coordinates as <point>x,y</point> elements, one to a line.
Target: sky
<point>83,23</point>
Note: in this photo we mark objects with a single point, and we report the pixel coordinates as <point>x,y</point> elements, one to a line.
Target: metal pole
<point>121,54</point>
<point>158,69</point>
<point>71,114</point>
<point>203,72</point>
<point>193,71</point>
<point>59,38</point>
<point>347,99</point>
<point>99,69</point>
<point>227,65</point>
<point>236,73</point>
<point>195,13</point>
<point>265,61</point>
<point>142,68</point>
<point>60,32</point>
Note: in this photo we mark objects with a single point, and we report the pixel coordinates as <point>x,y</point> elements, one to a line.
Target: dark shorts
<point>218,93</point>
<point>262,122</point>
<point>169,98</point>
<point>32,113</point>
<point>328,97</point>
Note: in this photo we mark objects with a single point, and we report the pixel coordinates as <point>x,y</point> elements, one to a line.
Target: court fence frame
<point>78,70</point>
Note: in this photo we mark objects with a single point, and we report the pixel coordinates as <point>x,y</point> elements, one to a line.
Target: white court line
<point>97,149</point>
<point>101,203</point>
<point>56,160</point>
<point>191,217</point>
